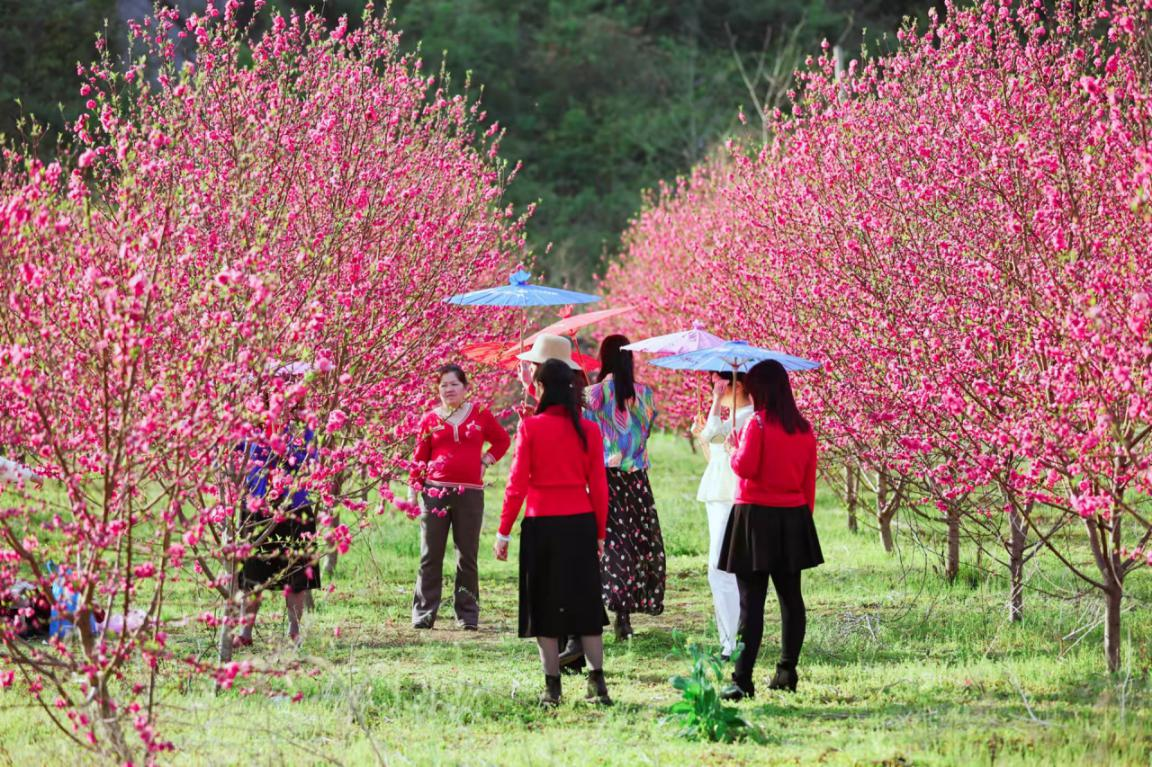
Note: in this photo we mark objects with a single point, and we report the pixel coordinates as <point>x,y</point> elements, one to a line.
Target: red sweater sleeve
<point>810,477</point>
<point>423,452</point>
<point>494,434</point>
<point>746,458</point>
<point>517,489</point>
<point>597,479</point>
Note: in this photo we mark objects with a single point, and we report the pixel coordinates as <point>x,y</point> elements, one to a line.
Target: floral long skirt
<point>632,571</point>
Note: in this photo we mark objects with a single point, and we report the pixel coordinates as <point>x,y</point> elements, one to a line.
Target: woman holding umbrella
<point>717,488</point>
<point>770,533</point>
<point>633,569</point>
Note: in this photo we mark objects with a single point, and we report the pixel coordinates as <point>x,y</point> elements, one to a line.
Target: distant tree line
<point>600,99</point>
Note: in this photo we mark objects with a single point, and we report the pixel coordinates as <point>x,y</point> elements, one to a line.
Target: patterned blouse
<point>625,431</point>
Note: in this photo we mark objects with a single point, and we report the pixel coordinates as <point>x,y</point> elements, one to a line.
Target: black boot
<point>597,689</point>
<point>551,695</point>
<point>738,690</point>
<point>572,657</point>
<point>785,679</point>
<point>623,625</point>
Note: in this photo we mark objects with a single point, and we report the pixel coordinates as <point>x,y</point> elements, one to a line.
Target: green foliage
<point>700,712</point>
<point>602,100</point>
<point>41,43</point>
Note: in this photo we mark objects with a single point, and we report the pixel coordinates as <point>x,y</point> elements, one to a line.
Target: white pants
<point>725,593</point>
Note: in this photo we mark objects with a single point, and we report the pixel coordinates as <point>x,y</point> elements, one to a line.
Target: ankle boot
<point>738,690</point>
<point>572,657</point>
<point>597,688</point>
<point>785,679</point>
<point>623,625</point>
<point>551,696</point>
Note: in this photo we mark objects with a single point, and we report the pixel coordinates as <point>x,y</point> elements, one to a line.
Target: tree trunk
<point>952,560</point>
<point>852,495</point>
<point>1113,600</point>
<point>886,534</point>
<point>1016,543</point>
<point>233,617</point>
<point>885,510</point>
<point>111,723</point>
<point>1104,538</point>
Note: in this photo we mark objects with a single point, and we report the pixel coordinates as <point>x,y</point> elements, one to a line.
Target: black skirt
<point>287,558</point>
<point>770,539</point>
<point>560,577</point>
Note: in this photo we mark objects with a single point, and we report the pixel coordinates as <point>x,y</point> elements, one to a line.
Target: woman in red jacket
<point>770,534</point>
<point>558,466</point>
<point>451,461</point>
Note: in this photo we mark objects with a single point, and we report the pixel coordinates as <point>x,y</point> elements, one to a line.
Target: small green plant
<point>700,712</point>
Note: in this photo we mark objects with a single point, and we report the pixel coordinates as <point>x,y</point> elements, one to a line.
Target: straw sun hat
<point>546,347</point>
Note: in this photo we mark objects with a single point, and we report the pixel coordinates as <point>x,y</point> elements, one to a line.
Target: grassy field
<point>898,669</point>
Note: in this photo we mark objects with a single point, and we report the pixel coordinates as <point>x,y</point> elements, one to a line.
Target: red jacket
<point>555,472</point>
<point>773,467</point>
<point>453,453</point>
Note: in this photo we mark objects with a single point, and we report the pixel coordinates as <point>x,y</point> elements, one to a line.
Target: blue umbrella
<point>736,356</point>
<point>519,293</point>
<point>733,356</point>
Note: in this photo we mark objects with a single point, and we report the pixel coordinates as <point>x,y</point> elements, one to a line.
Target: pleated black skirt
<point>770,539</point>
<point>560,577</point>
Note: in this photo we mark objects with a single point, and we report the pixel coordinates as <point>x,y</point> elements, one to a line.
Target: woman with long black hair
<point>771,534</point>
<point>558,468</point>
<point>634,566</point>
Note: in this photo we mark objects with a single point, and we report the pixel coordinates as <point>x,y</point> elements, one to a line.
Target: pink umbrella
<point>500,353</point>
<point>569,324</point>
<point>678,343</point>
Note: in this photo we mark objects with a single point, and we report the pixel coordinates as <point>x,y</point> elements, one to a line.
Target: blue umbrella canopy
<point>519,293</point>
<point>737,356</point>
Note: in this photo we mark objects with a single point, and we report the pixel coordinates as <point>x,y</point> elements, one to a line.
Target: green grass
<point>898,669</point>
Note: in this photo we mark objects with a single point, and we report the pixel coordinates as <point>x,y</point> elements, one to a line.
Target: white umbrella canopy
<point>678,343</point>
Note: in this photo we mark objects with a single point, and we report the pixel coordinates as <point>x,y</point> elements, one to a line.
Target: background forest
<point>600,99</point>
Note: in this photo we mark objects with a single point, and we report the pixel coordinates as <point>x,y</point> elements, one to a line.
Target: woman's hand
<point>732,442</point>
<point>698,424</point>
<point>525,373</point>
<point>600,547</point>
<point>614,461</point>
<point>501,550</point>
<point>719,391</point>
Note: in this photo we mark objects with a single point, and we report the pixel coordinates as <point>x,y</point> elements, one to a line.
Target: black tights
<point>793,619</point>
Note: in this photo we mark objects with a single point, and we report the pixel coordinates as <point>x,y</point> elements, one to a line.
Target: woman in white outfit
<point>717,489</point>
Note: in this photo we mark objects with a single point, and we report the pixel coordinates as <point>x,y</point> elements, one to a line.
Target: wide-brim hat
<point>549,347</point>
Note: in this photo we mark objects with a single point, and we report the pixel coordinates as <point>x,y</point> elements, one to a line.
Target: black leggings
<point>793,619</point>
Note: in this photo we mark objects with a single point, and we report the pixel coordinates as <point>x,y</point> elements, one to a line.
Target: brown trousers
<point>462,512</point>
